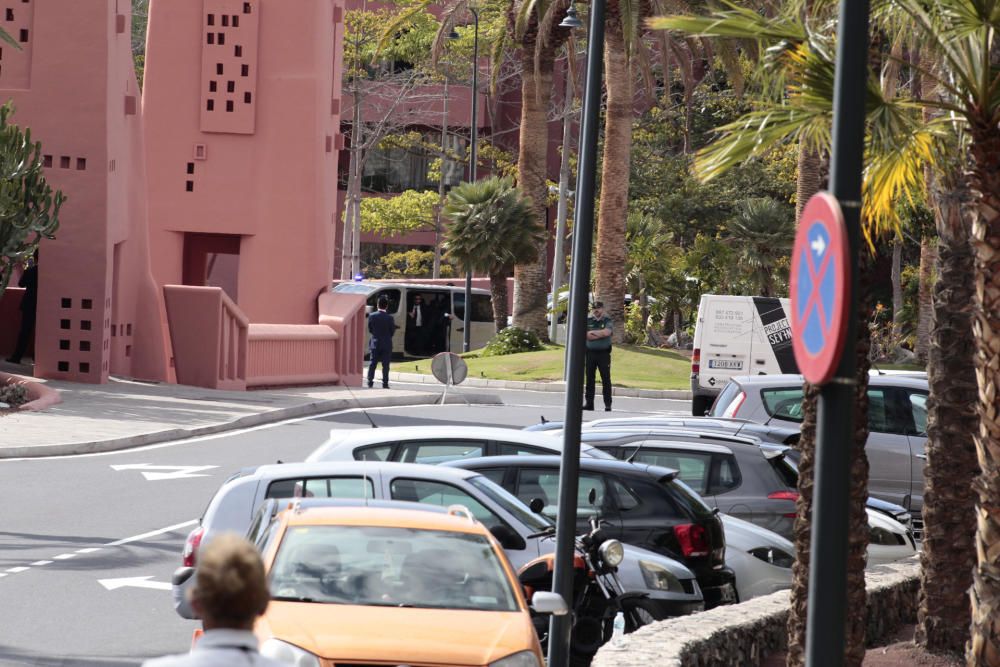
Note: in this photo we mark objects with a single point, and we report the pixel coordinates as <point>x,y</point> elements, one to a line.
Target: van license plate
<point>726,364</point>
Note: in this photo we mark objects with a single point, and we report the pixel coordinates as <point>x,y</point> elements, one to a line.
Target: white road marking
<point>89,550</point>
<point>134,582</point>
<point>15,570</point>
<point>177,472</point>
<point>64,556</point>
<point>152,533</point>
<point>39,563</point>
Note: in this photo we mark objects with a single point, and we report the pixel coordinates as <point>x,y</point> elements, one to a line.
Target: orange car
<point>390,586</point>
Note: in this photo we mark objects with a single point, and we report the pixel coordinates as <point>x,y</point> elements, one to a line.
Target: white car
<point>437,444</point>
<point>888,539</point>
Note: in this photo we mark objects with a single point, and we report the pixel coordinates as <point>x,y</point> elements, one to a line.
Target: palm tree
<point>493,227</point>
<point>763,232</point>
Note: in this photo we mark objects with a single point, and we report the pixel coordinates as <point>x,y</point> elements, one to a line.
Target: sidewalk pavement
<point>124,413</point>
<point>420,378</point>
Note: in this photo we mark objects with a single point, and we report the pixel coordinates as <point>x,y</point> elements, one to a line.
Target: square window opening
<point>230,86</point>
<point>211,19</point>
<point>244,70</point>
<point>238,51</point>
<point>128,329</point>
<point>189,186</point>
<point>236,21</point>
<point>10,14</point>
<point>23,36</point>
<point>63,367</point>
<point>246,7</point>
<point>213,86</point>
<point>46,160</point>
<point>128,350</point>
<point>85,325</point>
<point>225,20</point>
<point>63,344</point>
<point>246,98</point>
<point>190,167</point>
<point>210,38</point>
<point>81,164</point>
<point>66,303</point>
<point>87,304</point>
<point>210,105</point>
<point>222,39</point>
<point>84,366</point>
<point>64,162</point>
<point>229,105</point>
<point>219,69</point>
<point>85,346</point>
<point>64,324</point>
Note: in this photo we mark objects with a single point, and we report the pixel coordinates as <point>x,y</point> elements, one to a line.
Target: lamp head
<point>572,21</point>
<point>453,35</point>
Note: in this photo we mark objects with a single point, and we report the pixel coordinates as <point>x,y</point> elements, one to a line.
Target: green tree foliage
<point>409,211</point>
<point>413,263</point>
<point>29,208</point>
<point>762,233</point>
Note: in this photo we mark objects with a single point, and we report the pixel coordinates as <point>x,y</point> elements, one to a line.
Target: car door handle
<point>460,329</point>
<point>922,457</point>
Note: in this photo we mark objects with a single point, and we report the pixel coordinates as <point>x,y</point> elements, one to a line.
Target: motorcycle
<point>598,595</point>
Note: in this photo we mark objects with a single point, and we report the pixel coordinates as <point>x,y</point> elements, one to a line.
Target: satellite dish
<point>449,368</point>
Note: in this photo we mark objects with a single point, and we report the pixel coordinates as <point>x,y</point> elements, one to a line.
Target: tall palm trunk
<point>928,253</point>
<point>610,260</point>
<point>984,645</point>
<point>897,289</point>
<point>854,637</point>
<point>809,178</point>
<point>532,159</point>
<point>498,293</point>
<point>948,557</point>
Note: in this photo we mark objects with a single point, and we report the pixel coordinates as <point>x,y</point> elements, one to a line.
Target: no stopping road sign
<point>820,288</point>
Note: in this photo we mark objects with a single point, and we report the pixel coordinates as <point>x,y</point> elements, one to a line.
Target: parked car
<point>364,584</point>
<point>435,444</point>
<point>739,427</point>
<point>760,559</point>
<point>523,534</point>
<point>897,423</point>
<point>734,474</point>
<point>643,505</point>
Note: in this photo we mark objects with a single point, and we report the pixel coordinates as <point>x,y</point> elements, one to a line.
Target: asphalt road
<point>88,543</point>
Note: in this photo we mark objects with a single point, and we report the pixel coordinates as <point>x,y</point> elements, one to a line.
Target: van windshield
<point>354,288</point>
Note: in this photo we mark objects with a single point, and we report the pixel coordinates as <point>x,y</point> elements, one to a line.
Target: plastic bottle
<point>618,635</point>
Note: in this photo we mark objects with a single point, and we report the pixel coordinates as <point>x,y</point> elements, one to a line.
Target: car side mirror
<point>507,538</point>
<point>536,505</point>
<point>181,575</point>
<point>592,497</point>
<point>544,602</point>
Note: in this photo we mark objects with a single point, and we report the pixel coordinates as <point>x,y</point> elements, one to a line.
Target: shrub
<point>635,333</point>
<point>512,341</point>
<point>13,395</point>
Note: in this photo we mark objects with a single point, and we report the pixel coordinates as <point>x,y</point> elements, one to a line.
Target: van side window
<point>482,308</point>
<point>392,294</point>
<point>783,403</point>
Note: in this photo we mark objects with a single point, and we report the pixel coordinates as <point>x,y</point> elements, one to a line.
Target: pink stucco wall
<point>74,85</point>
<point>241,105</point>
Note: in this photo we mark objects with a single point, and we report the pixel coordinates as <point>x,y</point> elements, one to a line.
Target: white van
<point>440,333</point>
<point>738,335</point>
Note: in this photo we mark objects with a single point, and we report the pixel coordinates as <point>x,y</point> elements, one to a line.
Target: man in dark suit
<point>29,308</point>
<point>381,326</point>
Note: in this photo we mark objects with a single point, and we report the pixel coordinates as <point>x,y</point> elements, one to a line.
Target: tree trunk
<point>532,159</point>
<point>809,178</point>
<point>439,214</point>
<point>610,260</point>
<point>897,289</point>
<point>984,645</point>
<point>562,209</point>
<point>948,555</point>
<point>498,293</point>
<point>854,648</point>
<point>928,254</point>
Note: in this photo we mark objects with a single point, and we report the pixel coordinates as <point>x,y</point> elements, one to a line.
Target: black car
<point>644,505</point>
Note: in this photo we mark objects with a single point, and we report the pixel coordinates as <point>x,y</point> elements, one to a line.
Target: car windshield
<point>686,497</point>
<point>354,288</point>
<point>511,504</point>
<point>783,403</point>
<point>390,567</point>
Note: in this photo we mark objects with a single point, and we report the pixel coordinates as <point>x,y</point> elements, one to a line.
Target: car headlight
<point>660,578</point>
<point>884,538</point>
<point>522,659</point>
<point>612,553</point>
<point>773,556</point>
<point>904,518</point>
<point>288,654</point>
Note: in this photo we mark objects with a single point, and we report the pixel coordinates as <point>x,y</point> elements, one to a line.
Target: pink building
<point>241,104</point>
<point>73,83</point>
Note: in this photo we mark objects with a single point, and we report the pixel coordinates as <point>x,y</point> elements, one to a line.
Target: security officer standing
<point>599,330</point>
<point>381,326</point>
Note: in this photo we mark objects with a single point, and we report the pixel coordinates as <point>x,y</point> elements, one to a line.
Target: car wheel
<point>700,405</point>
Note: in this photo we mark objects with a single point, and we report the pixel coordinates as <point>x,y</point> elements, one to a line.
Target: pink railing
<point>214,345</point>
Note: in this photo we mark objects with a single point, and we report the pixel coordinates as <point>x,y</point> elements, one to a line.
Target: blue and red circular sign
<point>820,288</point>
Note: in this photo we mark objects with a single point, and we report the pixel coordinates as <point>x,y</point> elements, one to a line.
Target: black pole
<point>467,323</point>
<point>583,234</point>
<point>827,612</point>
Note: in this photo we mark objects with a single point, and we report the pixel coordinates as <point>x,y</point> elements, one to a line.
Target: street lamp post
<point>583,235</point>
<point>473,158</point>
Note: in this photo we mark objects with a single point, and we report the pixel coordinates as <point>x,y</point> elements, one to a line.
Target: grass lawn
<point>631,366</point>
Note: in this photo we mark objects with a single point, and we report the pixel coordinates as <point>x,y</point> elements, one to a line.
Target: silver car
<point>897,424</point>
<point>670,587</point>
<point>437,444</point>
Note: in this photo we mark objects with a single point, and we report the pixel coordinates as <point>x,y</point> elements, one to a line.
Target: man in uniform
<point>381,326</point>
<point>599,330</point>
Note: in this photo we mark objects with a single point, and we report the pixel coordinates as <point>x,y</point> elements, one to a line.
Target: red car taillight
<point>695,360</point>
<point>693,540</point>
<point>785,495</point>
<point>191,545</point>
<point>735,406</point>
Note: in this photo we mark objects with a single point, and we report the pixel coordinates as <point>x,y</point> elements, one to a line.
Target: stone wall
<point>746,633</point>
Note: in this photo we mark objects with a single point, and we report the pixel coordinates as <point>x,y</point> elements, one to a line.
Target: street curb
<point>246,421</point>
<point>627,392</point>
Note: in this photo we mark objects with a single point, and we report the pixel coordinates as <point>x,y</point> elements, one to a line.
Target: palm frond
<point>399,22</point>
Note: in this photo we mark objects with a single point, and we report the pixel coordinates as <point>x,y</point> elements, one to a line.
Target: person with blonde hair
<point>230,592</point>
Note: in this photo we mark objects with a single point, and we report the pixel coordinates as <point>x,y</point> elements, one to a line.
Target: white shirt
<point>419,315</point>
<point>219,648</point>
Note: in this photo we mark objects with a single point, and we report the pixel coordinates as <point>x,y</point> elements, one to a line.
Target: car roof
<point>357,437</point>
<point>591,465</point>
<point>383,517</point>
<point>317,468</point>
<point>665,433</point>
<point>655,442</point>
<point>917,379</point>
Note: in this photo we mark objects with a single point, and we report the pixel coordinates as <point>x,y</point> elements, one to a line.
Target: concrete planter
<point>39,396</point>
<point>744,634</point>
